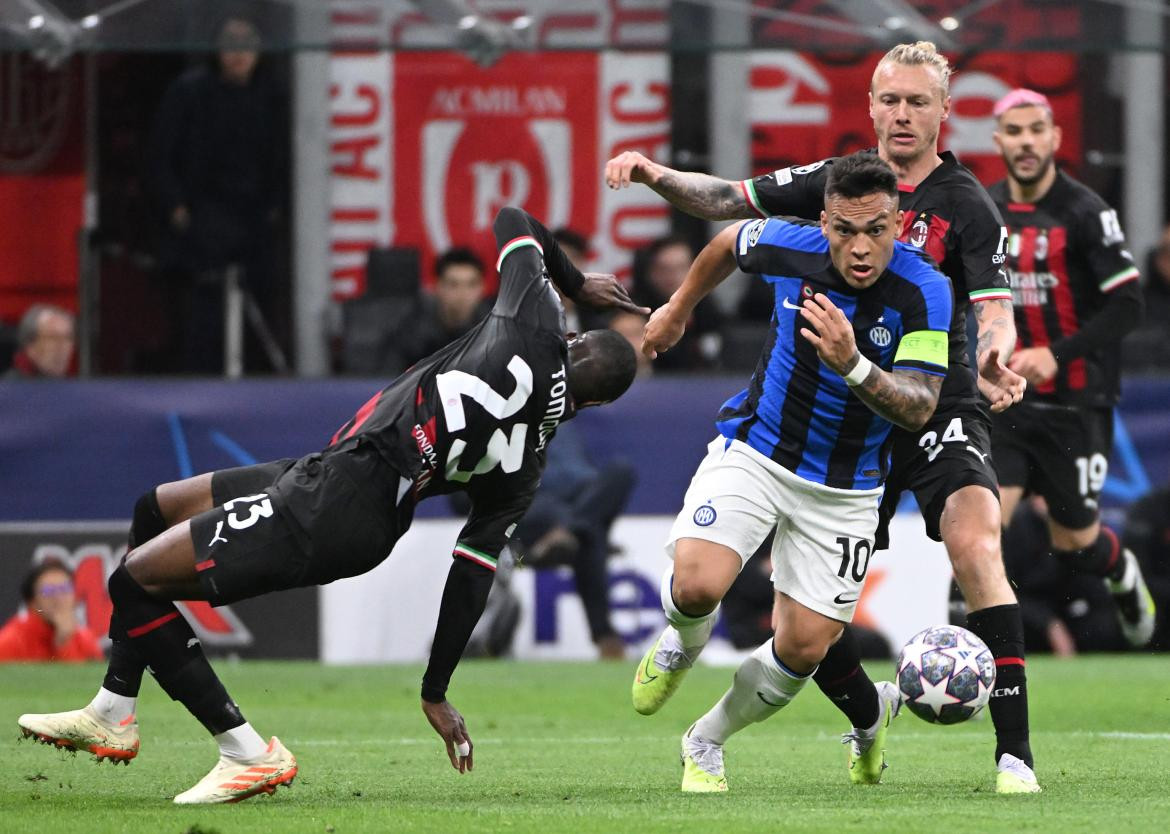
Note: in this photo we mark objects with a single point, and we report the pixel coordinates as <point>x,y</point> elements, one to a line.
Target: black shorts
<point>950,452</point>
<point>1058,452</point>
<point>325,517</point>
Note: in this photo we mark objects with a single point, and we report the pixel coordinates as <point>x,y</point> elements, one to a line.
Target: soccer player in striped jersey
<point>946,464</point>
<point>475,417</point>
<point>1075,293</point>
<point>858,343</point>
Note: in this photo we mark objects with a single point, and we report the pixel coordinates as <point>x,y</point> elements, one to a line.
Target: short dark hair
<point>602,365</point>
<point>859,175</point>
<point>654,249</point>
<point>28,587</point>
<point>458,256</point>
<point>571,238</point>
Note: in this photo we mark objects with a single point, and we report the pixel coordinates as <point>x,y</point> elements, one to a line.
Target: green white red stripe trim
<point>991,295</point>
<point>1115,281</point>
<point>514,244</point>
<point>477,556</point>
<point>753,200</point>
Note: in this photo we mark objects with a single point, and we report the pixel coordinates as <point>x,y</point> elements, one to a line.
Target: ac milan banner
<point>426,146</point>
<point>803,108</point>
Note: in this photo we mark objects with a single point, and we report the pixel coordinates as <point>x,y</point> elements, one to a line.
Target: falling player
<point>476,416</point>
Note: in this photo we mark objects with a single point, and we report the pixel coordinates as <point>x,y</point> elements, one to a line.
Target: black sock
<point>163,640</point>
<point>1002,629</point>
<point>842,679</point>
<point>1101,558</point>
<point>148,520</point>
<point>125,668</point>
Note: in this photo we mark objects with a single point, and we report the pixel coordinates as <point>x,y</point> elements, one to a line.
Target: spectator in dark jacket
<point>1147,348</point>
<point>217,168</point>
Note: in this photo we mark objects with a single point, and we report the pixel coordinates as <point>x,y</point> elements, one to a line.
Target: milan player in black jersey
<point>476,417</point>
<point>947,465</point>
<point>1075,292</point>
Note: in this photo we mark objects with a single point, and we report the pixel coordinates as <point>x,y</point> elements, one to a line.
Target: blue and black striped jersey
<point>798,411</point>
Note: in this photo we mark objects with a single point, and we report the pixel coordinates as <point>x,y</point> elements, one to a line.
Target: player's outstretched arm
<point>709,270</point>
<point>464,598</point>
<point>907,398</point>
<point>700,195</point>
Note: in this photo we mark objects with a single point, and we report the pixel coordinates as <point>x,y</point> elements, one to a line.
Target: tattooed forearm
<point>997,328</point>
<point>703,195</point>
<point>905,398</point>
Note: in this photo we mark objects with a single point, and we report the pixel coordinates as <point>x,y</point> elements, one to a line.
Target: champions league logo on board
<point>35,114</point>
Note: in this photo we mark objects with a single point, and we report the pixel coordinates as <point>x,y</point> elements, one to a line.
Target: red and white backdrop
<point>803,107</point>
<point>426,146</point>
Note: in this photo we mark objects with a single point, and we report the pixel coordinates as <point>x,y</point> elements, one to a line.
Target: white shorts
<point>824,536</point>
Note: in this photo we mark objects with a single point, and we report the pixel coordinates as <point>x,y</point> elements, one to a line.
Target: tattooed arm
<point>997,338</point>
<point>905,397</point>
<point>700,195</point>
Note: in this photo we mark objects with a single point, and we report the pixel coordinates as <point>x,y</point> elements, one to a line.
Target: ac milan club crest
<point>35,113</point>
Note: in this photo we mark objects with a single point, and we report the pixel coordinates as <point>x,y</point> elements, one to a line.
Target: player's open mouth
<point>861,270</point>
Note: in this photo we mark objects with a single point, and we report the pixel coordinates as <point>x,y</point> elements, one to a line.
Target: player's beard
<point>1042,170</point>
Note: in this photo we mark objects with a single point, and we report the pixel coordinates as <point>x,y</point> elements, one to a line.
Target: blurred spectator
<point>631,325</point>
<point>1147,534</point>
<point>45,343</point>
<point>569,524</point>
<point>576,247</point>
<point>441,317</point>
<point>47,627</point>
<point>1148,347</point>
<point>660,270</point>
<point>1064,612</point>
<point>217,168</point>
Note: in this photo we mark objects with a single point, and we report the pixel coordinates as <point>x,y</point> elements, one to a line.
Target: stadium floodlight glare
<point>950,23</point>
<point>522,22</point>
<point>894,23</point>
<point>37,21</point>
<point>91,21</point>
<point>467,22</point>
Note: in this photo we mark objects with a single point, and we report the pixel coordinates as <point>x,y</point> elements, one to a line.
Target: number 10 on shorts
<point>857,552</point>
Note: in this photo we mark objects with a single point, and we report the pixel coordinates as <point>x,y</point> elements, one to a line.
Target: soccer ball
<point>945,674</point>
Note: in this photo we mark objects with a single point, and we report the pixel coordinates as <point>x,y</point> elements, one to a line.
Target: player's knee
<point>800,652</point>
<point>695,593</point>
<point>976,559</point>
<point>148,520</point>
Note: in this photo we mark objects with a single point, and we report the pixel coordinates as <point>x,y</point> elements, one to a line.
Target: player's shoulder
<point>916,267</point>
<point>962,189</point>
<point>786,176</point>
<point>1075,195</point>
<point>781,233</point>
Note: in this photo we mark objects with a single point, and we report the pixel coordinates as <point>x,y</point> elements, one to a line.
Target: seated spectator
<point>45,342</point>
<point>47,628</point>
<point>660,270</point>
<point>454,307</point>
<point>1147,348</point>
<point>632,325</point>
<point>569,523</point>
<point>1064,612</point>
<point>1147,534</point>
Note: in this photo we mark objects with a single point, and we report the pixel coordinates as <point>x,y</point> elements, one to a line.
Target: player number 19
<point>1091,473</point>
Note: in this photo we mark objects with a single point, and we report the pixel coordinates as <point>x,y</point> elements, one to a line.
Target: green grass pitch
<point>558,748</point>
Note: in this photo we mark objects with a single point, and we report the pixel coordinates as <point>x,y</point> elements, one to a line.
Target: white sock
<point>762,687</point>
<point>691,633</point>
<point>112,707</point>
<point>242,743</point>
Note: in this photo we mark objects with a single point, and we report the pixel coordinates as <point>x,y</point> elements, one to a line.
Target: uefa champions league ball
<point>945,674</point>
